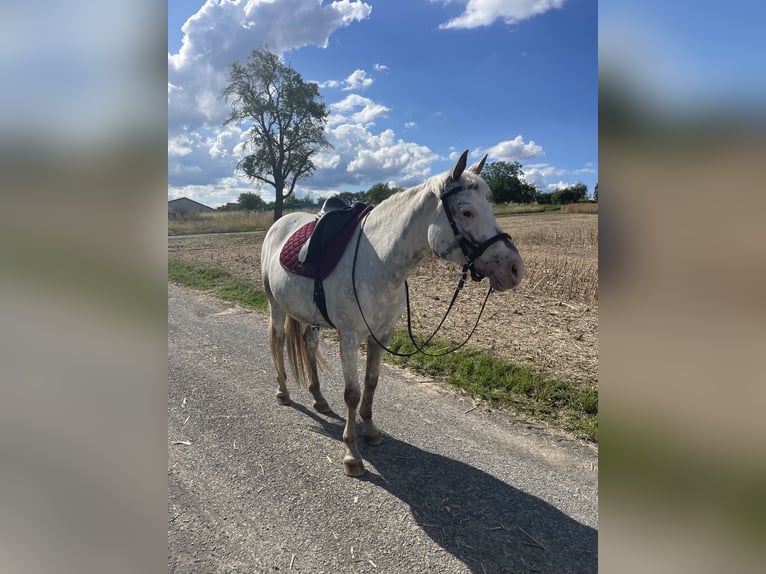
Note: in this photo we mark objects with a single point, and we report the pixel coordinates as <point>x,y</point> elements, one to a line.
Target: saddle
<point>314,250</point>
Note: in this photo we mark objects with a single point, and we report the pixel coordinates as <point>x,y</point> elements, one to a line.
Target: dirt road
<point>256,487</point>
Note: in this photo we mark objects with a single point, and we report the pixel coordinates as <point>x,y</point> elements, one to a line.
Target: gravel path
<point>255,487</point>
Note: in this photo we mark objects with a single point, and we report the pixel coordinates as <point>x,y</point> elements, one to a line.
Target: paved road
<point>260,487</point>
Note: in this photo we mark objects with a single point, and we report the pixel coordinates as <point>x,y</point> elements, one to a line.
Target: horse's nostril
<point>515,269</point>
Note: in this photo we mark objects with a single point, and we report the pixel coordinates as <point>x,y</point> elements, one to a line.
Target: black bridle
<point>471,252</point>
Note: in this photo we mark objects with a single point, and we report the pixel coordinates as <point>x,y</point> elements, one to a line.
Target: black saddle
<point>332,232</point>
<point>332,204</point>
<point>335,218</point>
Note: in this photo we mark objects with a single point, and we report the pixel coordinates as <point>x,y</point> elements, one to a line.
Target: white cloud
<point>561,184</point>
<point>455,153</point>
<point>201,151</point>
<point>358,79</point>
<point>226,142</point>
<point>356,109</point>
<point>543,169</point>
<point>514,150</point>
<point>367,158</point>
<point>361,157</point>
<point>586,170</point>
<point>485,12</point>
<point>222,32</point>
<point>201,163</point>
<point>198,157</point>
<point>181,145</point>
<point>410,125</point>
<point>538,173</point>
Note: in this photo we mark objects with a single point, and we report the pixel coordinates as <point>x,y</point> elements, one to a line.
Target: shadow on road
<point>484,522</point>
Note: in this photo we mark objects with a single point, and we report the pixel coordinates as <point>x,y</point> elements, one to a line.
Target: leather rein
<point>471,252</point>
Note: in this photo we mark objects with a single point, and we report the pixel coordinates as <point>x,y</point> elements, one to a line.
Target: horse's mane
<point>392,200</point>
<point>436,185</point>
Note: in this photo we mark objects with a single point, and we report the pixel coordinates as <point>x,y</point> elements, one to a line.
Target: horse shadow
<point>484,522</point>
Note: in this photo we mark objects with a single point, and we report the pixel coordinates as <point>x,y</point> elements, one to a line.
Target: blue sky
<point>409,84</point>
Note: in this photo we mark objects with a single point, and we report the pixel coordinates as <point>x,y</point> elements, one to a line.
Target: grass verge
<point>502,383</point>
<point>220,282</point>
<point>497,381</point>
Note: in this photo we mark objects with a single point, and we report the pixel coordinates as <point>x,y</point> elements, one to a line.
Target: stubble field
<point>550,323</point>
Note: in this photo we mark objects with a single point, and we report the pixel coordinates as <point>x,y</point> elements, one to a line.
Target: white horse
<point>448,215</point>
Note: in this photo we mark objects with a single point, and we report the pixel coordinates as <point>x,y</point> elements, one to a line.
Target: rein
<point>471,251</point>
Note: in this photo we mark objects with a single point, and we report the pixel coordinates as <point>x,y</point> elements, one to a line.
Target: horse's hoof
<point>353,467</point>
<point>322,407</point>
<point>374,439</point>
<point>283,399</point>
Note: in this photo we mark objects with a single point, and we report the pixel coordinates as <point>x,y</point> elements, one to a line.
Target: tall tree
<point>506,180</point>
<point>286,118</point>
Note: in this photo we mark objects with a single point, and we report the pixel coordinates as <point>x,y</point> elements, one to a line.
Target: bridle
<point>471,252</point>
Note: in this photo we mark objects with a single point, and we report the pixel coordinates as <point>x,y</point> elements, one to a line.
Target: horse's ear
<point>459,167</point>
<point>477,167</point>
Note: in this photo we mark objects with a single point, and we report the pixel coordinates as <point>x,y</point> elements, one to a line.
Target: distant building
<point>184,206</point>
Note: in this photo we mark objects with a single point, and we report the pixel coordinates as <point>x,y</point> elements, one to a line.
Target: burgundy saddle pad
<point>334,231</point>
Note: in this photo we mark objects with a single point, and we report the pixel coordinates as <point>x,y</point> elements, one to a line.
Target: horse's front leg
<point>349,346</point>
<point>372,372</point>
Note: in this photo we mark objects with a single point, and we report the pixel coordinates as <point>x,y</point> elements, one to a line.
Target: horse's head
<point>466,231</point>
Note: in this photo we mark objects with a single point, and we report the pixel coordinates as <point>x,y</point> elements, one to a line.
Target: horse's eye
<point>467,214</point>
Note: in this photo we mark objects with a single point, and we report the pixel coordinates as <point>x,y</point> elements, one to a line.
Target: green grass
<point>502,383</point>
<point>497,381</point>
<point>220,282</point>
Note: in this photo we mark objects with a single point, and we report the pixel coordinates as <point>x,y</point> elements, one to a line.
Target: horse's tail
<point>297,352</point>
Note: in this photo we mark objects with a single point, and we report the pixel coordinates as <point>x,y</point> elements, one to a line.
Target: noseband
<point>470,250</point>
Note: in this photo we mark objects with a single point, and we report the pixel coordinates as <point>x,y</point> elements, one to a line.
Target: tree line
<point>505,180</point>
<point>254,202</point>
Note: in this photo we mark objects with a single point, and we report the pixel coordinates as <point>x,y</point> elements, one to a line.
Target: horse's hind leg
<point>277,344</point>
<point>349,345</point>
<point>372,372</point>
<point>311,337</point>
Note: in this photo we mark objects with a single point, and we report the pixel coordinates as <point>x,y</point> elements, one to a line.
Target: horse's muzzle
<point>505,274</point>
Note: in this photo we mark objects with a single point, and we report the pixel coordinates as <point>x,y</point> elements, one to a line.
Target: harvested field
<point>550,323</point>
